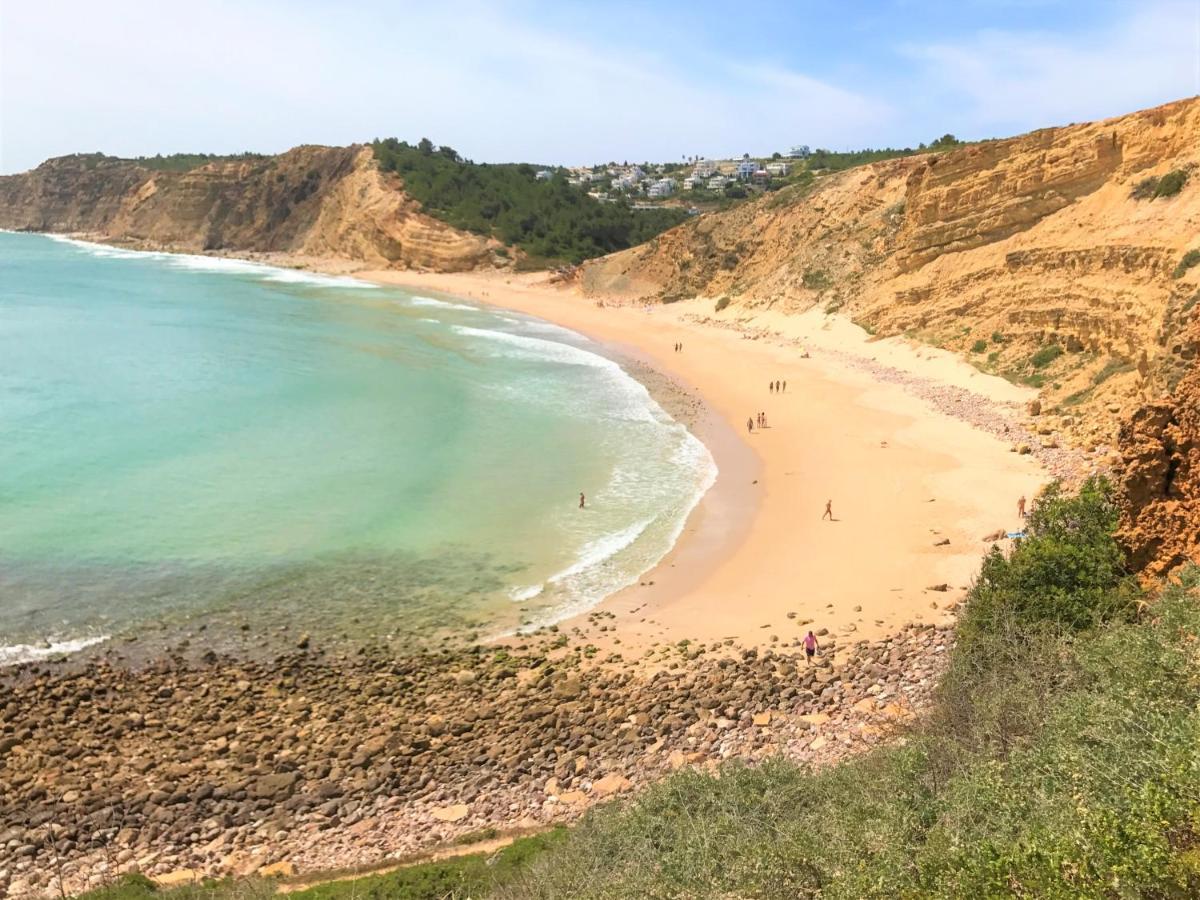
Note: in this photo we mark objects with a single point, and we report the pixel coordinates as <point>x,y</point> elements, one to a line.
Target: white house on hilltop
<point>705,168</point>
<point>664,187</point>
<point>778,169</point>
<point>745,169</point>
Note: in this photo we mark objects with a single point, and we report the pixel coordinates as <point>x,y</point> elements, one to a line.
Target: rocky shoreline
<point>318,760</point>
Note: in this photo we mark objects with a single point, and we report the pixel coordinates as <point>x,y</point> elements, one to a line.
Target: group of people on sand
<point>760,420</point>
<point>679,347</point>
<point>777,387</point>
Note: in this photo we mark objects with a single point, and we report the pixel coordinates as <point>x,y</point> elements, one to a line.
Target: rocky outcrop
<point>1160,476</point>
<point>311,202</point>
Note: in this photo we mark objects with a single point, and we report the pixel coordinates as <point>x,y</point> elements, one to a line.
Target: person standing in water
<point>810,647</point>
<point>828,511</point>
<point>582,500</point>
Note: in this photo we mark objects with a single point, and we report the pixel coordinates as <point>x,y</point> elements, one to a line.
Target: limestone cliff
<point>1052,241</point>
<point>311,202</point>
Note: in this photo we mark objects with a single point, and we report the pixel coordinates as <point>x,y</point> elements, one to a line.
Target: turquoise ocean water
<point>188,440</point>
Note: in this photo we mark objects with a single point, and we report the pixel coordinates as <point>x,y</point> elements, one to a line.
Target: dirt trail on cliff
<point>997,250</point>
<point>309,203</point>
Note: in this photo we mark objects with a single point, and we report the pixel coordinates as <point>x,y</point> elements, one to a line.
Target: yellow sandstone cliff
<point>323,203</point>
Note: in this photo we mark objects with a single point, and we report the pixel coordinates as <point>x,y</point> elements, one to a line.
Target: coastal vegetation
<point>468,875</point>
<point>185,162</point>
<point>547,217</point>
<point>1153,188</point>
<point>1191,258</point>
<point>837,161</point>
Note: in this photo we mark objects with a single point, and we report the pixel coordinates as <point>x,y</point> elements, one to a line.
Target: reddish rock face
<point>1160,476</point>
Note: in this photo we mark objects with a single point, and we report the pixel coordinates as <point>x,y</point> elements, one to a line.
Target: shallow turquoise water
<point>186,437</point>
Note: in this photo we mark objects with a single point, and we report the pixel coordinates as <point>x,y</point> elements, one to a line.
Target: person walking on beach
<point>1021,507</point>
<point>810,647</point>
<point>750,426</point>
<point>771,387</point>
<point>785,383</point>
<point>828,511</point>
<point>582,500</point>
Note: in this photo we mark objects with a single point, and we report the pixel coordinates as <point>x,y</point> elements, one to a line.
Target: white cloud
<point>999,82</point>
<point>133,77</point>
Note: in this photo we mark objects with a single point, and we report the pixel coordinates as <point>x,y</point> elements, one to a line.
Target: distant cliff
<point>315,202</point>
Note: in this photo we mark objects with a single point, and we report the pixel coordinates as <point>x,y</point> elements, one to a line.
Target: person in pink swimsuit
<point>810,647</point>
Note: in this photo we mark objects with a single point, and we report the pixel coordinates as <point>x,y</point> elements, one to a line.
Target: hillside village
<point>698,179</point>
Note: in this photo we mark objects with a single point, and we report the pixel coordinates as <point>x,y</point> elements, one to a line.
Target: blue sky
<point>569,82</point>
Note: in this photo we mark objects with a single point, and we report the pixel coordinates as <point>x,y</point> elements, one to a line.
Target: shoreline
<point>924,486</point>
<point>754,545</point>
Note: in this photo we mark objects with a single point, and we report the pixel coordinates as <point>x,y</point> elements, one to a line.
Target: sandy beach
<point>914,489</point>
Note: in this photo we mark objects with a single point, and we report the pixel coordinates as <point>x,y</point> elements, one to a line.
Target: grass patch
<point>722,302</point>
<point>458,878</point>
<point>997,337</point>
<point>834,305</point>
<point>1191,258</point>
<point>1144,189</point>
<point>816,279</point>
<point>979,346</point>
<point>1045,356</point>
<point>1058,761</point>
<point>1115,366</point>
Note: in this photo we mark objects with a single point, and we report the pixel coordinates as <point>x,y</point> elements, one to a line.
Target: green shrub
<point>1171,183</point>
<point>816,279</point>
<point>722,302</point>
<point>997,337</point>
<point>979,346</point>
<point>1045,356</point>
<point>1191,258</point>
<point>1069,572</point>
<point>993,356</point>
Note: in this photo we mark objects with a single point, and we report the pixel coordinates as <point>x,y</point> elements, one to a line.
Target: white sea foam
<point>521,594</point>
<point>198,263</point>
<point>443,304</point>
<point>13,654</point>
<point>599,551</point>
<point>523,346</point>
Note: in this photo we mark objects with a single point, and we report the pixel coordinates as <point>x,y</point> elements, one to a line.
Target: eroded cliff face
<point>315,202</point>
<point>998,250</point>
<point>1159,475</point>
